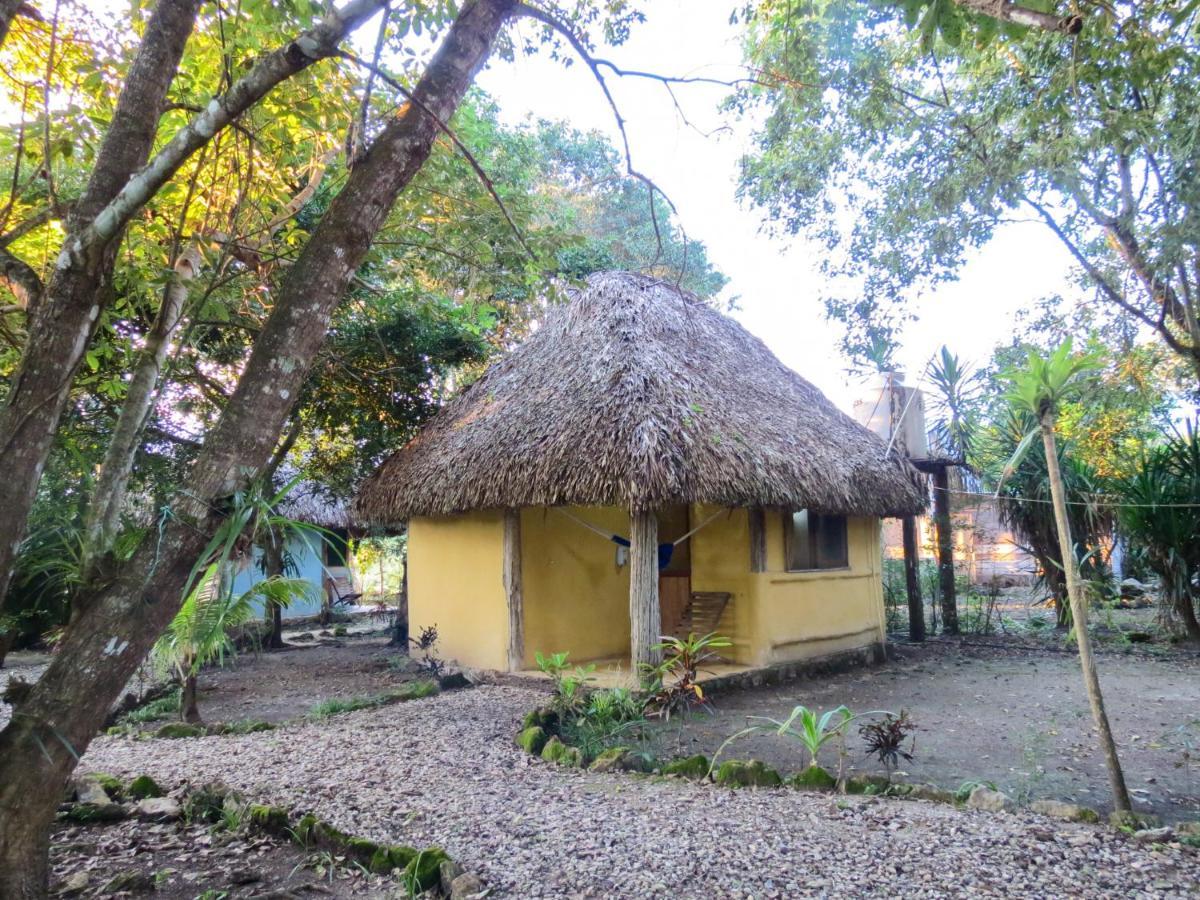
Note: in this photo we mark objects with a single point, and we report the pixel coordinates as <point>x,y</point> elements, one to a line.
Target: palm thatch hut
<point>641,448</point>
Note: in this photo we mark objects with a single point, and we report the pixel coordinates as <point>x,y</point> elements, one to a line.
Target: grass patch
<point>163,708</point>
<point>337,705</point>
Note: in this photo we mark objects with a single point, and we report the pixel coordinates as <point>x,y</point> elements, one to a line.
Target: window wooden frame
<point>816,524</point>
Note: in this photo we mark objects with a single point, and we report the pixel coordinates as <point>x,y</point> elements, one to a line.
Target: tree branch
<point>1007,11</point>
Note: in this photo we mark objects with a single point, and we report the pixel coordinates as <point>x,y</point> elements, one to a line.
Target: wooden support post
<point>912,580</point>
<point>512,589</point>
<point>945,548</point>
<point>645,617</point>
<point>758,540</point>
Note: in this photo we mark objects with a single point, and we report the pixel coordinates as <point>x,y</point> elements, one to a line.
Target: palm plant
<point>203,631</point>
<point>1161,518</point>
<point>954,397</point>
<point>1039,388</point>
<point>1026,505</point>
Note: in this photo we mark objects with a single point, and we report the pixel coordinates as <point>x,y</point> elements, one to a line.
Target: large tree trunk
<point>912,580</point>
<point>645,616</point>
<point>121,184</point>
<point>945,550</point>
<point>8,12</point>
<point>120,622</point>
<point>1091,681</point>
<point>108,498</point>
<point>67,317</point>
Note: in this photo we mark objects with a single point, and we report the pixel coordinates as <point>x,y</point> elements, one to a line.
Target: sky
<point>775,279</point>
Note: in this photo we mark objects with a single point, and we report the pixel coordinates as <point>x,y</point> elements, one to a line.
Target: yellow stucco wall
<point>455,582</point>
<point>576,597</point>
<point>801,615</point>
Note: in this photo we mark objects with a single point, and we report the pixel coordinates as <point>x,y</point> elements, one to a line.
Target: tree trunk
<point>121,184</point>
<point>108,499</point>
<point>1091,681</point>
<point>119,622</point>
<point>188,710</point>
<point>912,580</point>
<point>272,567</point>
<point>945,549</point>
<point>512,589</point>
<point>8,12</point>
<point>400,626</point>
<point>68,316</point>
<point>645,616</point>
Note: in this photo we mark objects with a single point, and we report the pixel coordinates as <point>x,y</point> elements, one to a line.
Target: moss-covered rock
<point>143,787</point>
<point>620,759</point>
<point>1071,812</point>
<point>867,784</point>
<point>361,850</point>
<point>1127,820</point>
<point>543,717</point>
<point>930,792</point>
<point>814,778</point>
<point>113,786</point>
<point>532,739</point>
<point>394,858</point>
<point>747,773</point>
<point>424,870</point>
<point>562,754</point>
<point>92,813</point>
<point>205,803</point>
<point>340,631</point>
<point>180,730</point>
<point>305,830</point>
<point>693,767</point>
<point>269,820</point>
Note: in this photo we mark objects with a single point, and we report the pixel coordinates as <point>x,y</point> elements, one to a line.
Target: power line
<point>1106,503</point>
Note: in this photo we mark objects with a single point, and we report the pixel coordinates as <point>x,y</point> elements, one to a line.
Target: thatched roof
<point>637,394</point>
<point>314,504</point>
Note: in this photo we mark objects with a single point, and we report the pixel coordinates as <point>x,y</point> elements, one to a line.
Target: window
<point>814,541</point>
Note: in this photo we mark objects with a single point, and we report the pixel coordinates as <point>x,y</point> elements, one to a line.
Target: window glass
<point>815,541</point>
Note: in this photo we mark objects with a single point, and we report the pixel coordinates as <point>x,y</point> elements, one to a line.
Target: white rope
<point>608,535</point>
<point>1110,504</point>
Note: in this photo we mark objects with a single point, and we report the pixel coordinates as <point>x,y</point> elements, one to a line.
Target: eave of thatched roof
<point>313,504</point>
<point>637,394</point>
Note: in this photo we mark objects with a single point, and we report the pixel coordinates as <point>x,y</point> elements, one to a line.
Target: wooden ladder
<point>703,613</point>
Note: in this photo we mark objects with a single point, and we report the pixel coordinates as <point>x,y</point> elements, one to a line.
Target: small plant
<point>335,705</point>
<point>885,739</point>
<point>674,684</point>
<point>608,719</point>
<point>569,686</point>
<point>426,642</point>
<point>163,708</point>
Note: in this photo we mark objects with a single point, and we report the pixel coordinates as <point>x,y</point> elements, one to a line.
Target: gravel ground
<point>444,771</point>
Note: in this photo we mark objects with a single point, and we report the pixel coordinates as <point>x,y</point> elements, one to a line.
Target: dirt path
<point>1016,717</point>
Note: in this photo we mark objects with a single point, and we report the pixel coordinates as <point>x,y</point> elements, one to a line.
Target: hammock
<point>665,551</point>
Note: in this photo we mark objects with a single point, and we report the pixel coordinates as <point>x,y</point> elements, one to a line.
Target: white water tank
<point>889,408</point>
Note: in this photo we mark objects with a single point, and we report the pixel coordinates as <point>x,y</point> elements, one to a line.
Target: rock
<point>1191,829</point>
<point>1131,589</point>
<point>1127,820</point>
<point>158,809</point>
<point>144,786</point>
<point>90,790</point>
<point>448,871</point>
<point>128,882</point>
<point>1154,835</point>
<point>1072,812</point>
<point>424,870</point>
<point>544,717</point>
<point>562,754</point>
<point>302,638</point>
<point>693,767</point>
<point>742,773</point>
<point>930,792</point>
<point>269,820</point>
<point>814,778</point>
<point>341,631</point>
<point>867,784</point>
<point>206,803</point>
<point>984,798</point>
<point>532,740</point>
<point>180,730</point>
<point>454,681</point>
<point>620,759</point>
<point>465,887</point>
<point>244,875</point>
<point>92,813</point>
<point>74,884</point>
